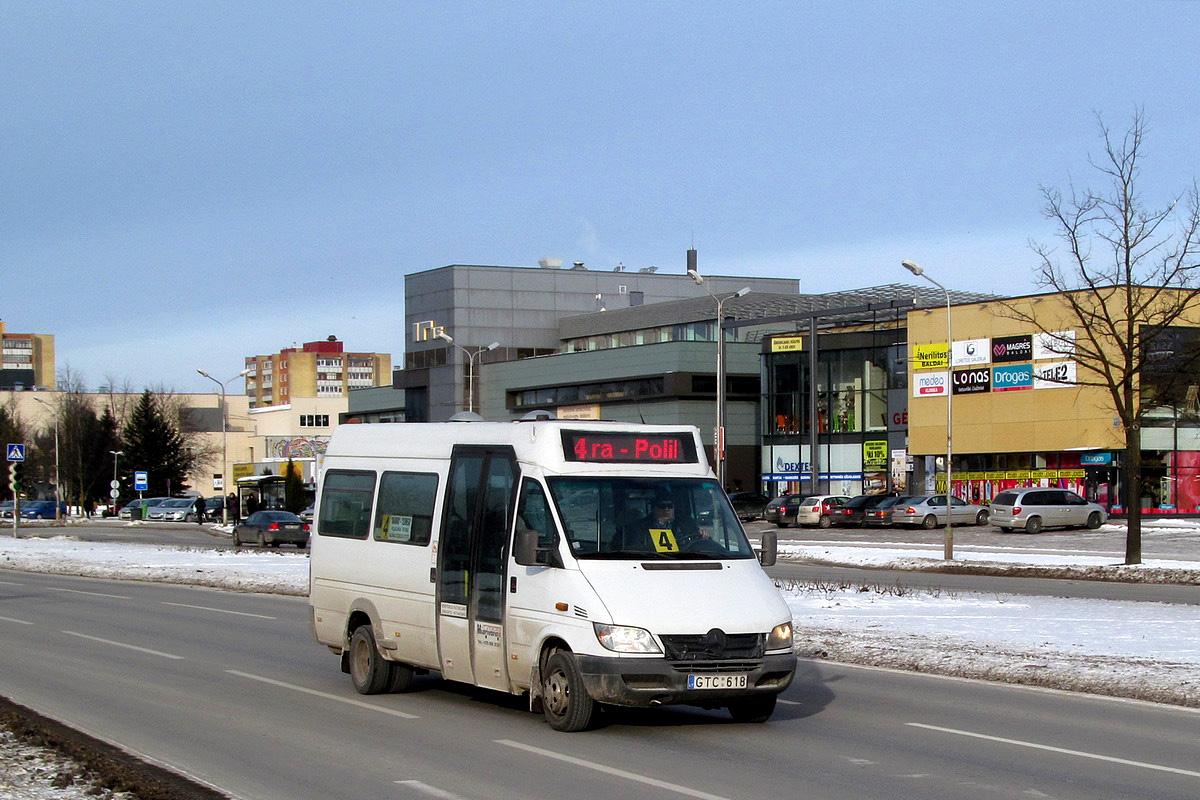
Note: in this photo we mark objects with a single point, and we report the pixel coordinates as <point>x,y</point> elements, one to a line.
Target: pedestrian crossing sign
<point>16,452</point>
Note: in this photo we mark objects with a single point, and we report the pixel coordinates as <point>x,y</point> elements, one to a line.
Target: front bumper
<point>643,682</point>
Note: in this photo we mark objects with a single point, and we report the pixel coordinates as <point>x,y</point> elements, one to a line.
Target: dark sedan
<point>748,505</point>
<point>271,528</point>
<point>853,512</point>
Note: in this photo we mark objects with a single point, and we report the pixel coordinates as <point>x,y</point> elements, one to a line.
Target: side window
<point>346,497</point>
<point>1034,499</point>
<point>1073,499</point>
<point>404,512</point>
<point>533,512</point>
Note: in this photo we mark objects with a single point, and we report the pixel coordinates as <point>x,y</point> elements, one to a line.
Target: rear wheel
<point>1033,525</point>
<point>1093,520</point>
<point>824,521</point>
<point>566,703</point>
<point>753,709</point>
<point>368,669</point>
<point>929,523</point>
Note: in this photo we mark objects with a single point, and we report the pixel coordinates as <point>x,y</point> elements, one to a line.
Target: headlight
<point>781,637</point>
<point>624,639</point>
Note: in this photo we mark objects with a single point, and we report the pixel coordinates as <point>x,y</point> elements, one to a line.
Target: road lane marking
<point>1063,750</point>
<point>91,594</point>
<point>10,583</point>
<point>619,773</point>
<point>123,644</point>
<point>432,791</point>
<point>219,610</point>
<point>18,621</point>
<point>325,695</point>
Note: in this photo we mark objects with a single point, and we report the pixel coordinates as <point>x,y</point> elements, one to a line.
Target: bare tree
<point>1128,280</point>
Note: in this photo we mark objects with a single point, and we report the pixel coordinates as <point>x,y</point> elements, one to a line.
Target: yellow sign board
<point>787,344</point>
<point>931,356</point>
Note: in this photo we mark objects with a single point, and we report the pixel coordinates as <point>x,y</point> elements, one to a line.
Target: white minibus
<point>586,563</point>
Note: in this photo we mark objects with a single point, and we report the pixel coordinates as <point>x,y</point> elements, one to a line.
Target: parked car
<point>748,505</point>
<point>882,513</point>
<point>1036,508</point>
<point>308,514</point>
<point>136,509</point>
<point>930,511</point>
<point>6,509</point>
<point>801,510</point>
<point>213,509</point>
<point>41,509</point>
<point>852,512</point>
<point>176,509</point>
<point>271,528</point>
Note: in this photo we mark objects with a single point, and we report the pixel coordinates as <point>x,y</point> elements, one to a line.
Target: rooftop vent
<point>550,263</point>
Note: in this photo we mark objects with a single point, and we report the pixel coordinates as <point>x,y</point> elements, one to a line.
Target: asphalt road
<point>231,689</point>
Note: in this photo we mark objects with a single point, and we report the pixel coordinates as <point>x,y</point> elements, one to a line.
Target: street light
<point>470,364</point>
<point>224,437</point>
<point>116,481</point>
<point>719,439</point>
<point>57,495</point>
<point>915,269</point>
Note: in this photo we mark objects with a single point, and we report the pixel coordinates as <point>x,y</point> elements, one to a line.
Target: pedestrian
<point>251,504</point>
<point>199,508</point>
<point>231,509</point>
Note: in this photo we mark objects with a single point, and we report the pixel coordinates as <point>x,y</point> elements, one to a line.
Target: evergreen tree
<point>293,489</point>
<point>154,445</point>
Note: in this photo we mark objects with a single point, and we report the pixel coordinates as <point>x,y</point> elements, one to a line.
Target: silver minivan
<point>1034,508</point>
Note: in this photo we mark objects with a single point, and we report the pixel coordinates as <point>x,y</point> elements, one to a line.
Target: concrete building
<point>26,360</point>
<point>314,370</point>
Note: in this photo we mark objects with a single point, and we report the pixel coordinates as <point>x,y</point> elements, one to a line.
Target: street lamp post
<point>915,269</point>
<point>57,495</point>
<point>719,438</point>
<point>116,481</point>
<point>224,437</point>
<point>470,364</point>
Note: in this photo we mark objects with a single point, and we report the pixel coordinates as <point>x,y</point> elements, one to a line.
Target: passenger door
<point>476,519</point>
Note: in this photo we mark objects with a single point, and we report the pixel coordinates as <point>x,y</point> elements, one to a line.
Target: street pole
<point>116,482</point>
<point>224,439</point>
<point>915,269</point>
<point>719,434</point>
<point>57,494</point>
<point>470,364</point>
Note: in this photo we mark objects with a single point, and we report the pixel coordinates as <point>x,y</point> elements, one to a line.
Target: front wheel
<point>753,709</point>
<point>368,669</point>
<point>567,704</point>
<point>981,518</point>
<point>1093,520</point>
<point>929,523</point>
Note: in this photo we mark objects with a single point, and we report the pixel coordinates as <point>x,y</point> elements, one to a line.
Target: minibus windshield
<point>639,518</point>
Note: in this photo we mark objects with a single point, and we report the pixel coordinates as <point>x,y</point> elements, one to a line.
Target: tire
<point>1005,528</point>
<point>930,522</point>
<point>369,671</point>
<point>824,521</point>
<point>189,517</point>
<point>1093,521</point>
<point>753,709</point>
<point>1033,525</point>
<point>981,518</point>
<point>400,677</point>
<point>565,700</point>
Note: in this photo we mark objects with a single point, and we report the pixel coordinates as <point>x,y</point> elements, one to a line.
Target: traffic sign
<point>114,493</point>
<point>141,481</point>
<point>16,452</point>
<point>114,484</point>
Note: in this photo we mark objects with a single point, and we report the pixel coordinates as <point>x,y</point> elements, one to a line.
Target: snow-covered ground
<point>1148,651</point>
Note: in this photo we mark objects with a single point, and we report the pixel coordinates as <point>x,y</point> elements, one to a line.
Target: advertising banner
<point>875,456</point>
<point>1012,348</point>
<point>786,344</point>
<point>1007,379</point>
<point>972,381</point>
<point>971,351</point>
<point>931,356</point>
<point>1054,376</point>
<point>929,384</point>
<point>1053,345</point>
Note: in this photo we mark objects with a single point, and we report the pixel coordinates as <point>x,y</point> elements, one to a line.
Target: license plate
<point>716,682</point>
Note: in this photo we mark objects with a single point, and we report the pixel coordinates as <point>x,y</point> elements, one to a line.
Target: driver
<point>666,533</point>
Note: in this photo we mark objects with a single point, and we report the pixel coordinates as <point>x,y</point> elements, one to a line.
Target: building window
<point>314,420</point>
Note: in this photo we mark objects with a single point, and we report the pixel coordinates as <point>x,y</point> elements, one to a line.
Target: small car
<point>852,512</point>
<point>41,509</point>
<point>882,513</point>
<point>6,509</point>
<point>176,509</point>
<point>929,512</point>
<point>214,510</point>
<point>308,514</point>
<point>136,509</point>
<point>747,505</point>
<point>799,509</point>
<point>1035,508</point>
<point>271,528</point>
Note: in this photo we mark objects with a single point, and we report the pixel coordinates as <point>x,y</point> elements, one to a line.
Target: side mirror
<point>770,549</point>
<point>525,547</point>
